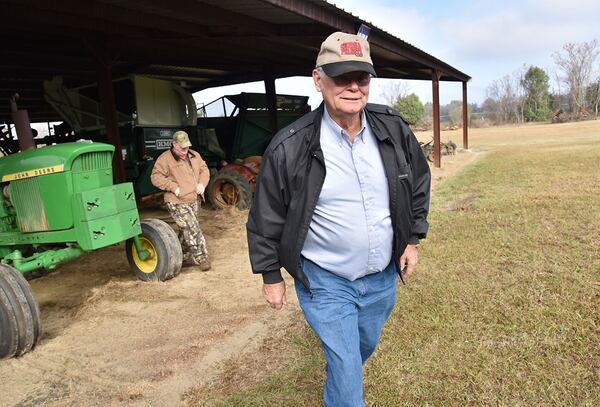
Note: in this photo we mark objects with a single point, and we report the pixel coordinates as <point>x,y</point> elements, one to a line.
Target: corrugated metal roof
<point>197,43</point>
<point>260,11</point>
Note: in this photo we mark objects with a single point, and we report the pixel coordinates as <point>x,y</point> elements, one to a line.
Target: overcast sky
<point>482,38</point>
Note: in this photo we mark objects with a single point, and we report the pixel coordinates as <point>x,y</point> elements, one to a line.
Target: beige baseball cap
<point>342,53</point>
<point>181,137</point>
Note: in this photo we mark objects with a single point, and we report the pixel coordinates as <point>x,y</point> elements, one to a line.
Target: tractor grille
<point>27,200</point>
<point>92,161</point>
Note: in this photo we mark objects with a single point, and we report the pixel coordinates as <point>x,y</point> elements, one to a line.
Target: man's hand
<point>409,259</point>
<point>177,191</point>
<point>274,294</point>
<point>200,189</point>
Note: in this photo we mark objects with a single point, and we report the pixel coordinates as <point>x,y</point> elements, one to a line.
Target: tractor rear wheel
<point>229,188</point>
<point>20,321</point>
<point>160,240</point>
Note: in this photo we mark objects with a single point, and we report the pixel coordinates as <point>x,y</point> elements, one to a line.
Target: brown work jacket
<point>171,172</point>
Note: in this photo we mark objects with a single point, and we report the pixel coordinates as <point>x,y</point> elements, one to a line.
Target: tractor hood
<point>47,159</point>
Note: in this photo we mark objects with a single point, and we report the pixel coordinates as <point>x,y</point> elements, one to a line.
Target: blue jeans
<point>348,317</point>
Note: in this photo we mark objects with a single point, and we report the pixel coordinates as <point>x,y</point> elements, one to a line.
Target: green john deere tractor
<point>59,203</point>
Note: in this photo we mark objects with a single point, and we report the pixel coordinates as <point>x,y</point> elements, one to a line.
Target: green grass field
<point>505,306</point>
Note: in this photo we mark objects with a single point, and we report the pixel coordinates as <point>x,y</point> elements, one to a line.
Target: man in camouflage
<point>192,240</point>
<point>183,175</point>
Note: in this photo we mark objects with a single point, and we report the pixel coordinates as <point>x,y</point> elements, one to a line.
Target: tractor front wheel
<point>20,321</point>
<point>165,255</point>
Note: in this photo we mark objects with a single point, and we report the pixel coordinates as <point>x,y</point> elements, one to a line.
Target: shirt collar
<point>341,133</point>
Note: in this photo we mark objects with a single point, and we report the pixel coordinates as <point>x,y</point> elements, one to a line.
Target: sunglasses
<point>361,79</point>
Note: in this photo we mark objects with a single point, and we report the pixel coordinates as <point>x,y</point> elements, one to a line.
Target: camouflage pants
<point>192,240</point>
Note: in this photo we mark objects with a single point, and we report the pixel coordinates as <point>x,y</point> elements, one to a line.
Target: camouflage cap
<point>341,53</point>
<point>182,139</point>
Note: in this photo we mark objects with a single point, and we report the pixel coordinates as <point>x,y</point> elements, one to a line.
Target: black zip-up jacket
<point>292,175</point>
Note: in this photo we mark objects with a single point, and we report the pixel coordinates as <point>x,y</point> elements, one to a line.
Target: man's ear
<point>317,80</point>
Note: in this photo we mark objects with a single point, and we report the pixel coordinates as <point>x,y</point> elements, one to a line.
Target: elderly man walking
<point>183,175</point>
<point>341,204</point>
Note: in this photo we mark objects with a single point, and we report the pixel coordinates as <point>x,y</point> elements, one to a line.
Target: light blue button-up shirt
<point>351,230</point>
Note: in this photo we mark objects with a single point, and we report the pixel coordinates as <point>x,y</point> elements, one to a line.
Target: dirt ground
<point>112,340</point>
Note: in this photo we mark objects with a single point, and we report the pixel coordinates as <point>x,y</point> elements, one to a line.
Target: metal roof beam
<point>200,13</point>
<point>236,54</point>
<point>110,19</point>
<point>319,13</point>
<point>49,15</point>
<point>19,69</point>
<point>53,60</point>
<point>292,31</point>
<point>390,43</point>
<point>343,21</point>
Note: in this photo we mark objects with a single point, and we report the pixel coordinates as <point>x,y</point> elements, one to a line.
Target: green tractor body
<point>58,203</point>
<point>63,194</point>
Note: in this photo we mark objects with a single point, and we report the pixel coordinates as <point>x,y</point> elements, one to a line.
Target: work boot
<point>189,263</point>
<point>204,264</point>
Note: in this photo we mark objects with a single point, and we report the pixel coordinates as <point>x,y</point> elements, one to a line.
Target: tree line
<point>523,96</point>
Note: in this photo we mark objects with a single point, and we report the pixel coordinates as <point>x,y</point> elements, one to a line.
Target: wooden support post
<point>107,99</point>
<point>20,118</point>
<point>436,119</point>
<point>465,109</point>
<point>271,99</point>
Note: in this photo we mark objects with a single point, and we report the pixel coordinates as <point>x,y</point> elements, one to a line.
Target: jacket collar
<point>318,117</point>
<point>375,129</point>
<point>176,157</point>
<point>314,139</point>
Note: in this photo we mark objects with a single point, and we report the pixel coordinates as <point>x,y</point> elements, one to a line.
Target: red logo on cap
<point>351,48</point>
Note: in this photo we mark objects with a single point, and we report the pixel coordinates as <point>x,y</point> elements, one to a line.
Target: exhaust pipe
<point>22,125</point>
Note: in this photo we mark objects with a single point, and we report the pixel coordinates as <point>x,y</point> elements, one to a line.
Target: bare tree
<point>576,63</point>
<point>557,96</point>
<point>491,110</point>
<point>505,93</point>
<point>394,90</point>
<point>520,92</point>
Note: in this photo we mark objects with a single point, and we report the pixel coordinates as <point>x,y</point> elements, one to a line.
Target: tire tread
<point>241,183</point>
<point>21,315</point>
<point>167,245</point>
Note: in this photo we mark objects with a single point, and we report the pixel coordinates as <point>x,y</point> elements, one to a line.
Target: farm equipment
<point>448,148</point>
<point>149,112</point>
<point>233,133</point>
<point>59,203</point>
